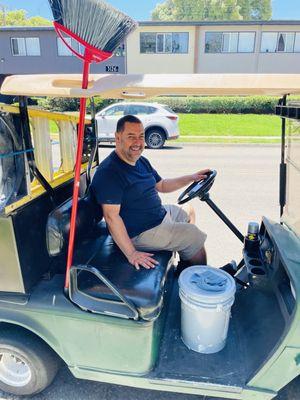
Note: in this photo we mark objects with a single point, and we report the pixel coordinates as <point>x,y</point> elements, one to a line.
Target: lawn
<point>229,125</point>
<point>254,128</point>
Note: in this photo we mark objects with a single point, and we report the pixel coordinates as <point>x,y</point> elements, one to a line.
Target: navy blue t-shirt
<point>133,187</point>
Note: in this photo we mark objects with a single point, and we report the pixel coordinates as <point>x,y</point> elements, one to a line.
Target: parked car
<point>160,122</point>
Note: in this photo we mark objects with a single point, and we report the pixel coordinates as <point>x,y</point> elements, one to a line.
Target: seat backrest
<point>58,224</point>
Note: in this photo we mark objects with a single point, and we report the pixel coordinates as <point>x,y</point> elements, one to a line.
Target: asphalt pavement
<point>246,188</point>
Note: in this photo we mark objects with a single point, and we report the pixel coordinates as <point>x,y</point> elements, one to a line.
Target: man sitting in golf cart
<point>126,186</point>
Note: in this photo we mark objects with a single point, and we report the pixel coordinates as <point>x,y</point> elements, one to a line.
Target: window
<point>285,42</point>
<point>280,42</point>
<point>213,42</point>
<point>151,42</point>
<point>63,50</point>
<point>246,42</point>
<point>29,46</point>
<point>297,43</point>
<point>114,111</point>
<point>180,42</point>
<point>268,42</point>
<point>136,109</point>
<point>229,42</point>
<point>147,42</point>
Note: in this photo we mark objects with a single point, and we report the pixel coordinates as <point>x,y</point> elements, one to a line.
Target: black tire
<point>33,364</point>
<point>155,138</point>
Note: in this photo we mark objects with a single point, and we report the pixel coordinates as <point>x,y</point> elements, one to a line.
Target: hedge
<point>70,104</point>
<point>220,105</point>
<point>193,105</point>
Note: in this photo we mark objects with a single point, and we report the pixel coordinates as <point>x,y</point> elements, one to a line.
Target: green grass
<point>229,125</point>
<point>53,127</point>
<point>250,126</point>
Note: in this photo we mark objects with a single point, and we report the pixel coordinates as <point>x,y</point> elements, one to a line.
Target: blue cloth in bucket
<point>209,281</point>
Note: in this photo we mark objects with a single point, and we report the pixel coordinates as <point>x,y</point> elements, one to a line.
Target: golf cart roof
<point>149,85</point>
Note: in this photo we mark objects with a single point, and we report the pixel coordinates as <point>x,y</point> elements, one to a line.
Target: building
<point>215,47</point>
<point>163,47</point>
<point>30,50</point>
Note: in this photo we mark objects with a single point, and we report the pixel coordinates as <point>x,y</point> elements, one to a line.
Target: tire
<point>155,138</point>
<point>27,365</point>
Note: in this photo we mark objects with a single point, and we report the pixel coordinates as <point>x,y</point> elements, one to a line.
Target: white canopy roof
<point>149,85</point>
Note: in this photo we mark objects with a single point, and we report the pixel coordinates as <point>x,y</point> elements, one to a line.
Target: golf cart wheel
<point>27,365</point>
<point>155,138</point>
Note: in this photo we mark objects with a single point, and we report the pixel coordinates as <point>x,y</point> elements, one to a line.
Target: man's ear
<point>117,137</point>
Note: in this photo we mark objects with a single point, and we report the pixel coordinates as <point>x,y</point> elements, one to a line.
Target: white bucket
<point>207,295</point>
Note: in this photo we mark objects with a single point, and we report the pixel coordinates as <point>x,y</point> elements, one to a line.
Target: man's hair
<point>127,118</point>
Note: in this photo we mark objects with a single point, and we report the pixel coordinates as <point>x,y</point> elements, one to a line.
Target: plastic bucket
<point>207,295</point>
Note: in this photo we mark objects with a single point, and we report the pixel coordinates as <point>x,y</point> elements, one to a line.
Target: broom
<point>99,29</point>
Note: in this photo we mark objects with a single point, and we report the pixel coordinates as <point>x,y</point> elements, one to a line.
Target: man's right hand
<point>139,258</point>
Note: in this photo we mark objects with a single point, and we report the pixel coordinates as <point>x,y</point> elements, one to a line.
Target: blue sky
<point>141,9</point>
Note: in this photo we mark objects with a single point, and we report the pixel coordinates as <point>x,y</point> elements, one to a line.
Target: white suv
<point>160,122</point>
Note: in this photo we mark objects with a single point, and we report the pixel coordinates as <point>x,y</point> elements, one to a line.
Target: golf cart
<point>111,323</point>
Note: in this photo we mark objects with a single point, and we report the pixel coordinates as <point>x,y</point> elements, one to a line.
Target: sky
<point>141,9</point>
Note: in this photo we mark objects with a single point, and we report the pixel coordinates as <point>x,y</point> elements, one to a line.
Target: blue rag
<point>209,281</point>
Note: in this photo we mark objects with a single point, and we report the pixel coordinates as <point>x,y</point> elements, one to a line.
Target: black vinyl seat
<point>95,248</point>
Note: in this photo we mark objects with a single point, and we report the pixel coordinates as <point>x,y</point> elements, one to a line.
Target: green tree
<point>201,10</point>
<point>20,18</point>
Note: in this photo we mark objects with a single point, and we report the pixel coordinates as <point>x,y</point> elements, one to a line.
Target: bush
<point>180,104</point>
<point>220,105</point>
<point>70,104</point>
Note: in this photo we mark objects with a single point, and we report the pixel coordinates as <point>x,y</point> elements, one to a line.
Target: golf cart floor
<point>255,328</point>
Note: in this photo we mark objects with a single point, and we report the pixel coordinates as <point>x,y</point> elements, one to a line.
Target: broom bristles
<point>96,22</point>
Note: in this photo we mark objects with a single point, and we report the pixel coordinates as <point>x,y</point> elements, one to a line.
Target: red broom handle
<point>85,80</point>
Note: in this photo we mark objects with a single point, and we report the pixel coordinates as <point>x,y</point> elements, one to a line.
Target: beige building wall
<point>226,62</point>
<point>138,63</point>
<point>279,62</point>
<point>255,62</point>
<point>197,61</point>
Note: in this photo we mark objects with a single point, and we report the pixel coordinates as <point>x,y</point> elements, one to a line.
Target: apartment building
<point>215,47</point>
<point>29,50</point>
<point>163,47</point>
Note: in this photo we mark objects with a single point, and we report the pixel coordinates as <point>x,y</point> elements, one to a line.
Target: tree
<point>201,10</point>
<point>20,18</point>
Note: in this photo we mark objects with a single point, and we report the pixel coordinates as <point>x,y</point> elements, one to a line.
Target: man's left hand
<point>198,176</point>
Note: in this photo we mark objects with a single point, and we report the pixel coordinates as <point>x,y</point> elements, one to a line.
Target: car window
<point>167,108</point>
<point>116,110</point>
<point>135,109</point>
<point>151,110</point>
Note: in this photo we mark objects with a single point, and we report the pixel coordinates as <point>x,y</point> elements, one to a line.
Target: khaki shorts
<point>175,233</point>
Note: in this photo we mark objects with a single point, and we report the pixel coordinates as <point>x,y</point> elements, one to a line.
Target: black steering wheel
<point>198,189</point>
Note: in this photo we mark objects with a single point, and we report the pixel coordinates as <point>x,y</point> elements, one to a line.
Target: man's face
<point>131,142</point>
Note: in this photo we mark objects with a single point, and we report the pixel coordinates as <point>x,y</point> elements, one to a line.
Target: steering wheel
<point>198,189</point>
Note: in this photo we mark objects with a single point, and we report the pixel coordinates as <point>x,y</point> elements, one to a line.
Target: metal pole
<point>223,217</point>
<point>282,170</point>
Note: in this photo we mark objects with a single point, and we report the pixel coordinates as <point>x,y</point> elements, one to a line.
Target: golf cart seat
<point>101,278</point>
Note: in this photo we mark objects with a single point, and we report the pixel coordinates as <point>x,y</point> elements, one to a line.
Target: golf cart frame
<point>118,325</point>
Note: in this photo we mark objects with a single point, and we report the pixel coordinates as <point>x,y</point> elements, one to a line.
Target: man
<point>126,186</point>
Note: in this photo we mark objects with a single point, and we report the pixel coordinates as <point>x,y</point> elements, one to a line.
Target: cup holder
<point>255,262</point>
<point>257,271</point>
<point>257,274</point>
<point>256,267</point>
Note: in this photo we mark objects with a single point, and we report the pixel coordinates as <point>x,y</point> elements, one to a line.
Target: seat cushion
<point>145,288</point>
<point>58,224</point>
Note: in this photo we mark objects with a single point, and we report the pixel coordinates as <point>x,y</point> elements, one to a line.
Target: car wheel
<point>27,365</point>
<point>155,138</point>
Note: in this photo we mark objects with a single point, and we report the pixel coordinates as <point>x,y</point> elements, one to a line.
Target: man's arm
<point>170,185</point>
<point>119,233</point>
